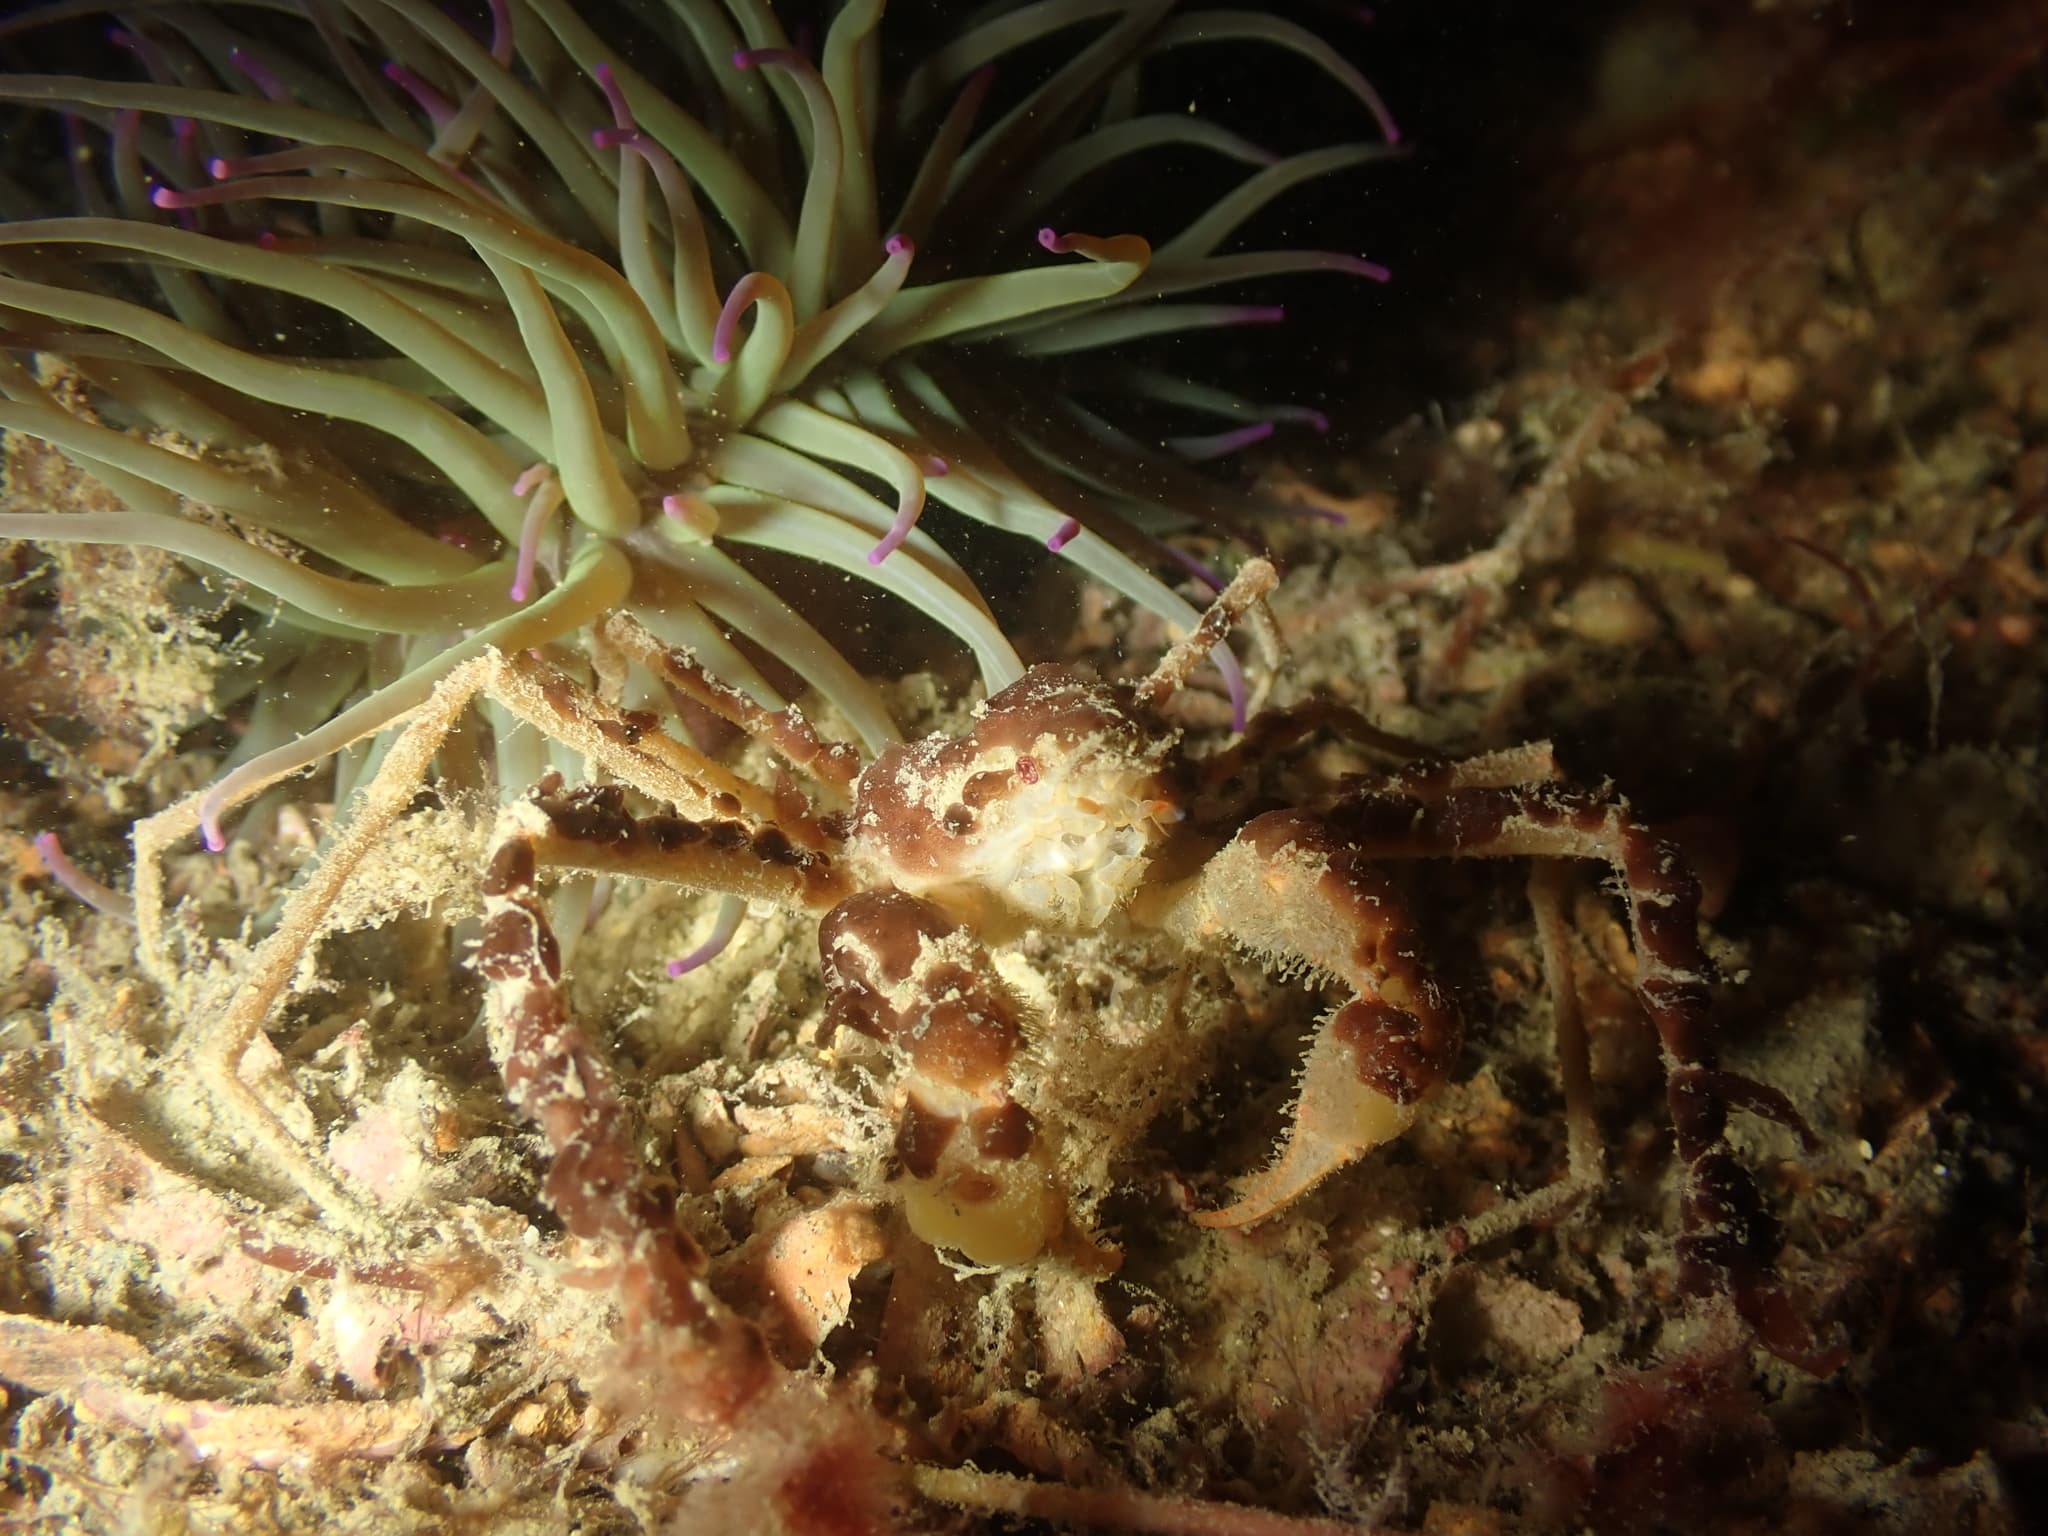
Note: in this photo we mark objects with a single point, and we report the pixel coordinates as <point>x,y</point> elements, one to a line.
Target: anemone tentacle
<point>340,273</point>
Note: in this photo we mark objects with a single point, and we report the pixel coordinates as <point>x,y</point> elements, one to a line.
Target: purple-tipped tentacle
<point>1216,445</point>
<point>210,833</point>
<point>907,513</point>
<point>1288,508</point>
<point>502,36</point>
<point>745,294</point>
<point>909,508</point>
<point>258,74</point>
<point>614,96</point>
<point>544,496</point>
<point>1205,574</point>
<point>143,47</point>
<point>1233,683</point>
<point>769,58</point>
<point>730,910</point>
<point>185,135</point>
<point>100,897</point>
<point>1064,535</point>
<point>439,109</point>
<point>1360,266</point>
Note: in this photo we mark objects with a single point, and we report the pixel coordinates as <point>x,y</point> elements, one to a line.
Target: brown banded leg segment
<point>1247,590</point>
<point>1288,889</point>
<point>1730,1239</point>
<point>631,746</point>
<point>589,828</point>
<point>786,730</point>
<point>596,1183</point>
<point>978,1174</point>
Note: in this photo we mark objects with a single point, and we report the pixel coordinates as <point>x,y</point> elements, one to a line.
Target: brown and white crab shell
<point>1046,812</point>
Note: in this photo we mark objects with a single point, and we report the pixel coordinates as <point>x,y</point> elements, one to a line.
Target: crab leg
<point>632,745</point>
<point>596,1181</point>
<point>786,730</point>
<point>1248,589</point>
<point>979,1178</point>
<point>219,1045</point>
<point>1730,1239</point>
<point>1287,888</point>
<point>589,828</point>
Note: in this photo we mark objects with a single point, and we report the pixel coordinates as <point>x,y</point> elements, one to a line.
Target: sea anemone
<point>438,339</point>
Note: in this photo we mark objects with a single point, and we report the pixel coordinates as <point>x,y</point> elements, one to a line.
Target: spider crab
<point>1066,805</point>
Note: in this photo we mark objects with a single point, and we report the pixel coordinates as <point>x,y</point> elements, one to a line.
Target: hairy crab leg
<point>741,858</point>
<point>978,1175</point>
<point>632,746</point>
<point>785,730</point>
<point>715,1363</point>
<point>626,743</point>
<point>589,828</point>
<point>1246,594</point>
<point>1294,890</point>
<point>1730,1240</point>
<point>221,1043</point>
<point>1585,1157</point>
<point>1549,885</point>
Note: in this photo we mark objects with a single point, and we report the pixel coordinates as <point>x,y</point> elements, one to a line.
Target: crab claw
<point>1290,890</point>
<point>1337,1120</point>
